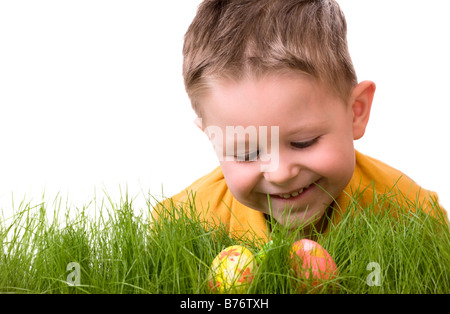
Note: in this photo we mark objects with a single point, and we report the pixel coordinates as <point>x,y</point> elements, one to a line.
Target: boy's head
<point>278,67</point>
<point>250,38</point>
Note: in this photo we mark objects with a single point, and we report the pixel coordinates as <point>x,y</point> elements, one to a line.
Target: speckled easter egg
<point>232,270</point>
<point>312,262</point>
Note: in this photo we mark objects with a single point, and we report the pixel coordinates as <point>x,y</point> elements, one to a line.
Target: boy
<point>274,87</point>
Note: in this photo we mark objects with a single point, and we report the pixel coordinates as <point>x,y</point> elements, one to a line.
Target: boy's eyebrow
<point>307,128</point>
<point>315,126</point>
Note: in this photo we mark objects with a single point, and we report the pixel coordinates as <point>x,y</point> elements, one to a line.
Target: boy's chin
<point>299,224</point>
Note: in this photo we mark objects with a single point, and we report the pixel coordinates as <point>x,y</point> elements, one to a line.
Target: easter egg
<point>232,270</point>
<point>312,262</point>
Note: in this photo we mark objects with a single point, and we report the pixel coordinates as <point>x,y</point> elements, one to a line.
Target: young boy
<point>274,88</point>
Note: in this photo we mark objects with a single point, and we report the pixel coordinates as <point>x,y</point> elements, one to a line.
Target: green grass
<point>119,252</point>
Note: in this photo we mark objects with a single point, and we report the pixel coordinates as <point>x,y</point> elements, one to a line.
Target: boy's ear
<point>361,102</point>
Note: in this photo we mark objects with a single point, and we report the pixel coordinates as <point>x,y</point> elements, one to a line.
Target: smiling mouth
<point>287,196</point>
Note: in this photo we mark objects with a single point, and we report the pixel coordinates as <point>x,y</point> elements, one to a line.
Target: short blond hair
<point>237,38</point>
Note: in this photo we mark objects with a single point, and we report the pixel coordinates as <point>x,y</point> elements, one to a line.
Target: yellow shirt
<point>214,202</point>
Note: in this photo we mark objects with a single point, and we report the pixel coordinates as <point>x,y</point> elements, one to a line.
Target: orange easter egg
<point>312,262</point>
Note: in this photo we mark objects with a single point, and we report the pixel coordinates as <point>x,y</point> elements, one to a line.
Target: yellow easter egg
<point>232,270</point>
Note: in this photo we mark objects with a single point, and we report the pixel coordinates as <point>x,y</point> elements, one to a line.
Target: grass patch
<point>118,251</point>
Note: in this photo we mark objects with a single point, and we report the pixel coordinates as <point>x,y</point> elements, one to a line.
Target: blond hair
<point>237,38</point>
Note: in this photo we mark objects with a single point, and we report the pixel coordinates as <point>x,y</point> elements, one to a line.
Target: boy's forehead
<point>252,90</point>
<point>263,98</point>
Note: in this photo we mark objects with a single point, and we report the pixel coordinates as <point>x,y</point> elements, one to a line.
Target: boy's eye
<point>306,144</point>
<point>247,157</point>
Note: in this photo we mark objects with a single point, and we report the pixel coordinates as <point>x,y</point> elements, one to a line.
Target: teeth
<point>287,196</point>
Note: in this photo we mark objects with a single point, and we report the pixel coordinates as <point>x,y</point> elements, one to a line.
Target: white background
<point>92,97</point>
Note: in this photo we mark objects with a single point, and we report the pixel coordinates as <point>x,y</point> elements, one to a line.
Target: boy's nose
<point>284,173</point>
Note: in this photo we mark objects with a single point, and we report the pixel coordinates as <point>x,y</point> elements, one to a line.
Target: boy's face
<point>315,149</point>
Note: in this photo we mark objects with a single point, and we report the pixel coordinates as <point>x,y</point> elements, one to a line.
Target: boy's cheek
<point>340,176</point>
<point>241,180</point>
<point>238,177</point>
<point>336,164</point>
<point>335,157</point>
